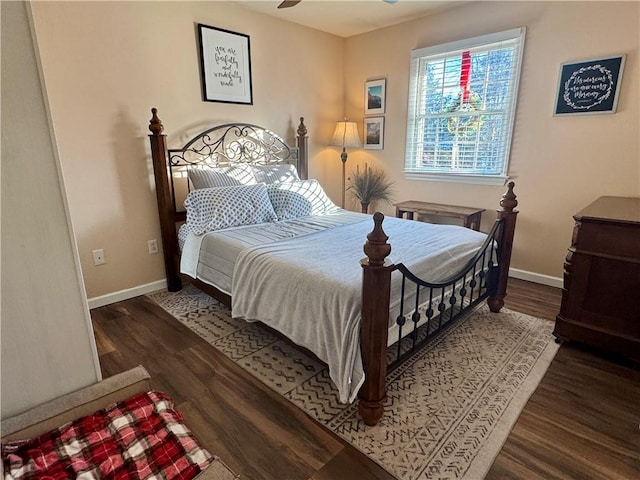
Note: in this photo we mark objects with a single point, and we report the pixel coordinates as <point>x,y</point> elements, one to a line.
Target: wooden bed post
<point>302,144</point>
<point>376,288</point>
<point>165,202</point>
<point>508,215</point>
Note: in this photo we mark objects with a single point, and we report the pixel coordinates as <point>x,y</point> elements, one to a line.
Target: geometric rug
<point>449,408</point>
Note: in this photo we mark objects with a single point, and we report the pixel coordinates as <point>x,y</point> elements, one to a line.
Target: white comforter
<point>309,287</point>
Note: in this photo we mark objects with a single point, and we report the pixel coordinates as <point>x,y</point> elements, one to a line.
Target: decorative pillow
<point>299,199</point>
<point>211,177</point>
<point>210,209</point>
<point>275,173</point>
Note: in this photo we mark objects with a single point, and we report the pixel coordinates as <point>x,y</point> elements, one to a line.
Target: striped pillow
<point>213,177</point>
<point>299,199</point>
<point>268,174</point>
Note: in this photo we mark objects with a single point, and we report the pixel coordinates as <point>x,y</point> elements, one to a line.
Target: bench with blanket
<point>116,428</point>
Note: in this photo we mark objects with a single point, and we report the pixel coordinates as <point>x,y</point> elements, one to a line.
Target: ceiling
<point>346,18</point>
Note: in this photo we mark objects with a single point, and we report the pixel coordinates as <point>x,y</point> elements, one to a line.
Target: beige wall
<point>559,164</point>
<point>107,63</point>
<point>48,348</point>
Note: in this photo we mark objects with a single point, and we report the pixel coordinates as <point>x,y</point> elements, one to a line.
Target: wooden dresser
<point>601,295</point>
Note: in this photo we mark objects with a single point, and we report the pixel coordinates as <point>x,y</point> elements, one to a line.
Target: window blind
<point>462,106</point>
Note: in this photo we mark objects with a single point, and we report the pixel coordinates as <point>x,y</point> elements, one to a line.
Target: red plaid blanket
<point>140,438</point>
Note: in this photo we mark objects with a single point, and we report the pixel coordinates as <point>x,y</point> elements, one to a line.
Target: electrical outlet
<point>153,246</point>
<point>98,257</point>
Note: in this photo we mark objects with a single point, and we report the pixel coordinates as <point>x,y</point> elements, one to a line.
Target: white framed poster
<point>374,133</point>
<point>375,96</point>
<point>225,65</point>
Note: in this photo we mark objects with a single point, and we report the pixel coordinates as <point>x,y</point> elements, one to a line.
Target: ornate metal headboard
<point>226,145</point>
<point>219,146</point>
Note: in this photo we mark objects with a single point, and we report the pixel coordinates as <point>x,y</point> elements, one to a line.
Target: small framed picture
<point>374,96</point>
<point>590,86</point>
<point>374,133</point>
<point>225,65</point>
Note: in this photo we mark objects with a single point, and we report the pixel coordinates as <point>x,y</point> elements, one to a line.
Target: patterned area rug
<point>449,408</point>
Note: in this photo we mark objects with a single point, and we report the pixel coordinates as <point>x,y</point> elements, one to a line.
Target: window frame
<point>415,79</point>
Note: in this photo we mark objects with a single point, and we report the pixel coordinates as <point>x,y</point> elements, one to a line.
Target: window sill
<point>494,180</point>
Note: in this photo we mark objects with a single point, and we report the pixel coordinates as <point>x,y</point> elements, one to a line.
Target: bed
<point>277,250</point>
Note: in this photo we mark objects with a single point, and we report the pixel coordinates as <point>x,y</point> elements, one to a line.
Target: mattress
<point>211,257</point>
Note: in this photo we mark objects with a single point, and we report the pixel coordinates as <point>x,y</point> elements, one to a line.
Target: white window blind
<point>462,102</point>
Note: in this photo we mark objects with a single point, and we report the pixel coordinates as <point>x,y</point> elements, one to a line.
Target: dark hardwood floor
<point>582,422</point>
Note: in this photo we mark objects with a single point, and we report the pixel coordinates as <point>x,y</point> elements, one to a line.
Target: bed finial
<point>509,202</point>
<point>302,128</point>
<point>155,124</point>
<point>302,143</point>
<point>376,246</point>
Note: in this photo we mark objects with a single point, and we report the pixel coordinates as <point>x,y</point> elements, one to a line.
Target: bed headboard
<point>220,145</point>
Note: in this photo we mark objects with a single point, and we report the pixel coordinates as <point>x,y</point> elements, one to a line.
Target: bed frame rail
<point>426,308</point>
<point>483,277</point>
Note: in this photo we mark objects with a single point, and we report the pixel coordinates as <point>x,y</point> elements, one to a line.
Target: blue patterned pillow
<point>299,199</point>
<point>210,209</point>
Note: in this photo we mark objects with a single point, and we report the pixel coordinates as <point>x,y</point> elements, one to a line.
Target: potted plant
<point>369,185</point>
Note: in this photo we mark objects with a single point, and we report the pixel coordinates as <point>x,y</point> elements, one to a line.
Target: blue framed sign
<point>590,86</point>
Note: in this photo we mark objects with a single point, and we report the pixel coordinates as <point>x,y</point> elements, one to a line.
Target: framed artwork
<point>374,96</point>
<point>225,65</point>
<point>374,133</point>
<point>590,86</point>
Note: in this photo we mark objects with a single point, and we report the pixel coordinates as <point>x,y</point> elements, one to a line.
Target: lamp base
<point>343,157</point>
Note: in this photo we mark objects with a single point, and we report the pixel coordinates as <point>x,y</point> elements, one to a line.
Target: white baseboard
<point>536,277</point>
<point>121,295</point>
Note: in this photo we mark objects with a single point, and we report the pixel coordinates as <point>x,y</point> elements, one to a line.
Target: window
<point>462,102</point>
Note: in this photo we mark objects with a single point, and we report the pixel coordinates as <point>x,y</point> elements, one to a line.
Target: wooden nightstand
<point>470,216</point>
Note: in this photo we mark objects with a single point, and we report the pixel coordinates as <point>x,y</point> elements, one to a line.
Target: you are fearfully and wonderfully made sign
<point>225,65</point>
<point>590,86</point>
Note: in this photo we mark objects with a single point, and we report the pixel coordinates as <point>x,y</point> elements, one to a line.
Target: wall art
<point>225,65</point>
<point>374,96</point>
<point>590,86</point>
<point>374,133</point>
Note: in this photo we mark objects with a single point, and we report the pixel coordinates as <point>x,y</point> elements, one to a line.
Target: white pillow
<point>299,199</point>
<point>210,209</point>
<point>211,177</point>
<point>275,173</point>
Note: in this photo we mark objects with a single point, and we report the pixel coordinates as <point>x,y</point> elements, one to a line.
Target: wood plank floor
<point>581,423</point>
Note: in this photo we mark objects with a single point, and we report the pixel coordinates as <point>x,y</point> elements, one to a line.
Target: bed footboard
<point>434,306</point>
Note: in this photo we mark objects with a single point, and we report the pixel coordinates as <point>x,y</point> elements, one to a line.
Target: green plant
<point>370,184</point>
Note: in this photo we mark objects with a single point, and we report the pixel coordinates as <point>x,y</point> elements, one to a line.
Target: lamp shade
<point>346,135</point>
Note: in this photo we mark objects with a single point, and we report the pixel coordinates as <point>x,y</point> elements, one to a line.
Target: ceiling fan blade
<point>289,3</point>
